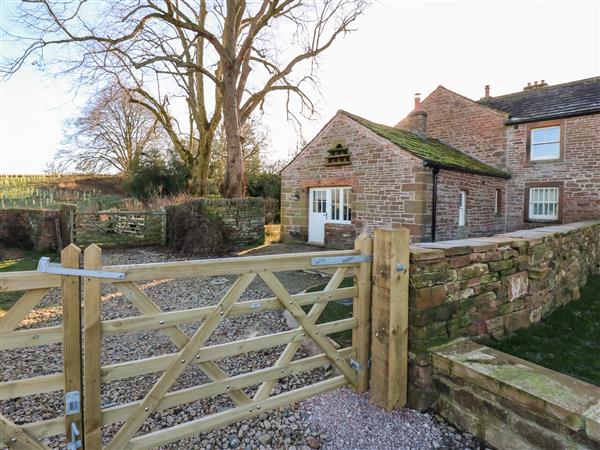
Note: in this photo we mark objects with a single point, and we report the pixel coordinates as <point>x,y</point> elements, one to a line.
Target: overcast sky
<point>399,48</point>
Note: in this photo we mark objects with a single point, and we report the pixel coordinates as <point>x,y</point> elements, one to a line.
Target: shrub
<point>268,186</point>
<point>16,231</point>
<point>264,185</point>
<point>157,177</point>
<point>193,235</point>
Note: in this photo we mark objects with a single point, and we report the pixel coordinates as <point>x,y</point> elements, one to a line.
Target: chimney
<point>417,123</point>
<point>535,85</point>
<point>417,101</point>
<point>487,90</point>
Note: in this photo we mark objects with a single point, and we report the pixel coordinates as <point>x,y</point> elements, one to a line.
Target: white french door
<point>327,205</point>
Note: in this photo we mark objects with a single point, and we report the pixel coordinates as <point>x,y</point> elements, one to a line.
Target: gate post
<point>71,309</point>
<point>361,310</point>
<point>92,382</point>
<point>389,330</point>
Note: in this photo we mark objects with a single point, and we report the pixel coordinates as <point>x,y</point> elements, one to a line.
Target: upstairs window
<point>545,143</point>
<point>543,203</point>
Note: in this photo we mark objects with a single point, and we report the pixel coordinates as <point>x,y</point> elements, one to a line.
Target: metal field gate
<point>85,422</point>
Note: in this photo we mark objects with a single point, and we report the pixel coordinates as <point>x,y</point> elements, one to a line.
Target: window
<point>498,202</point>
<point>545,143</point>
<point>319,201</point>
<point>462,209</point>
<point>340,205</point>
<point>543,203</point>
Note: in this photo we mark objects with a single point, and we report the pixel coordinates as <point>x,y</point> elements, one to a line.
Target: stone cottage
<point>452,168</point>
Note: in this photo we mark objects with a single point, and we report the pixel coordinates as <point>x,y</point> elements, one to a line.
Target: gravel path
<point>340,419</point>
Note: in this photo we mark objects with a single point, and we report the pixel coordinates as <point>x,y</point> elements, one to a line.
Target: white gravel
<point>337,420</point>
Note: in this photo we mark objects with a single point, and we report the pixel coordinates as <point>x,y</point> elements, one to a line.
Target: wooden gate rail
<point>52,335</point>
<point>36,286</point>
<point>351,363</point>
<point>192,350</point>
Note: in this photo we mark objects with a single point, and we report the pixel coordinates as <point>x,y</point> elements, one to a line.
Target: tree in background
<point>255,145</point>
<point>247,50</point>
<point>112,134</point>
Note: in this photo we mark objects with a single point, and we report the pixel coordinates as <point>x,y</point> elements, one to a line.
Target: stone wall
<point>243,218</point>
<point>490,287</point>
<point>29,228</point>
<point>339,236</point>
<point>513,404</point>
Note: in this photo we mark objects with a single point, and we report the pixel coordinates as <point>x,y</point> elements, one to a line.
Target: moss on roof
<point>432,151</point>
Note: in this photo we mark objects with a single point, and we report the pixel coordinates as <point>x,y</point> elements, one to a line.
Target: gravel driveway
<point>339,419</point>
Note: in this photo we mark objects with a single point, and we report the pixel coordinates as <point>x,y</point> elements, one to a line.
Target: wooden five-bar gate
<point>379,329</point>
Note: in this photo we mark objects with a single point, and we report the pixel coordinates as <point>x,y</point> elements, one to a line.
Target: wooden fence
<point>119,227</point>
<point>88,375</point>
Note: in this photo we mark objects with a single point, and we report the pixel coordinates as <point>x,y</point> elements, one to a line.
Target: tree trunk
<point>201,168</point>
<point>235,184</point>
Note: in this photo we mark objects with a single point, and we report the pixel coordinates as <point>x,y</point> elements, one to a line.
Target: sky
<point>399,48</point>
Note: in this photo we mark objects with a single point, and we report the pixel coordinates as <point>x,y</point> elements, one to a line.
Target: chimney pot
<point>417,100</point>
<point>487,90</point>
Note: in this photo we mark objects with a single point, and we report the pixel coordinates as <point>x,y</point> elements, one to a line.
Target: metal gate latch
<point>334,260</point>
<point>45,266</point>
<point>75,443</point>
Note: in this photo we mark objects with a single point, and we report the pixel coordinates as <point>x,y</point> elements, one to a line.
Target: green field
<point>335,311</point>
<point>567,340</point>
<point>89,193</point>
<point>14,261</point>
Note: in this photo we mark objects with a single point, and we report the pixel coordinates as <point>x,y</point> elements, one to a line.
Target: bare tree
<point>247,51</point>
<point>111,134</point>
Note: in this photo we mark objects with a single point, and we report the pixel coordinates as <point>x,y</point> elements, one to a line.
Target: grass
<point>335,311</point>
<point>567,340</point>
<point>13,261</point>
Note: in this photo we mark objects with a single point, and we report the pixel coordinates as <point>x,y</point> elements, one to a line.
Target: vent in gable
<point>339,155</point>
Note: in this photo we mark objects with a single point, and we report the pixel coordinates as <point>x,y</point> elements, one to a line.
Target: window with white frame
<point>543,203</point>
<point>545,143</point>
<point>341,211</point>
<point>462,209</point>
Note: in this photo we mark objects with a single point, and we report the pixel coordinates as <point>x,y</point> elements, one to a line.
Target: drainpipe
<point>434,172</point>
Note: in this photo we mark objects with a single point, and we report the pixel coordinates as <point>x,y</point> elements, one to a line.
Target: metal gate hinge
<point>45,266</point>
<point>356,365</point>
<point>334,260</point>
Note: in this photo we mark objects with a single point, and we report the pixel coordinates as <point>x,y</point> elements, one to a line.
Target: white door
<point>317,214</point>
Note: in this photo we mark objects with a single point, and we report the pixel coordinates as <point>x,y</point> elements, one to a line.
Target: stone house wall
<point>577,175</point>
<point>490,287</point>
<point>482,132</point>
<point>389,187</point>
<point>466,125</point>
<point>30,228</point>
<point>480,217</point>
<point>387,183</point>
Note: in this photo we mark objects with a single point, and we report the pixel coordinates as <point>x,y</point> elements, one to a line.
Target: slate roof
<point>562,100</point>
<point>432,151</point>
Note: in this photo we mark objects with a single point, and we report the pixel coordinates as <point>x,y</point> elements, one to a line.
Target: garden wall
<point>244,219</point>
<point>30,228</point>
<point>511,403</point>
<point>491,286</point>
